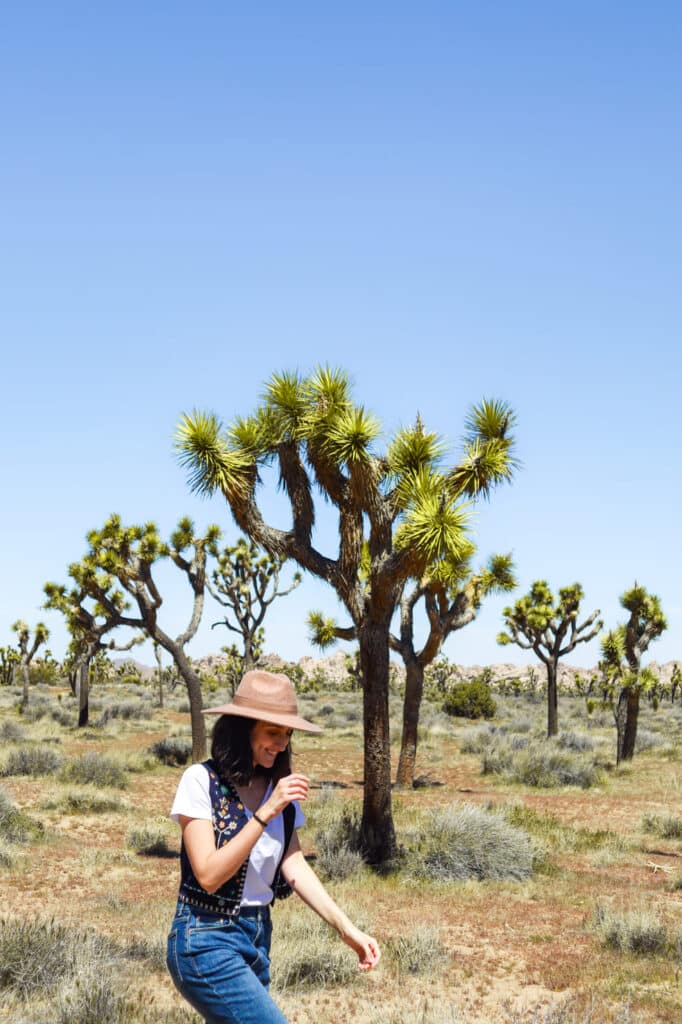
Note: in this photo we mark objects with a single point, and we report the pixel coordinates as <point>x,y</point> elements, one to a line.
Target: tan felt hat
<point>267,697</point>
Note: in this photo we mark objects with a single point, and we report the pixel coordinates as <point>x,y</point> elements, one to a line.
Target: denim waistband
<point>261,913</point>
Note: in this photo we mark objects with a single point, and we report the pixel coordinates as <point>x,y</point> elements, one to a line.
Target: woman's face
<point>267,741</point>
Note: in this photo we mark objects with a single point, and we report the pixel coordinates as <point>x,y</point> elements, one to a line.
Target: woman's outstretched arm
<point>307,885</point>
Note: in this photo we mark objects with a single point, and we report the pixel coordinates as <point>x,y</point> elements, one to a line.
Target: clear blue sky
<point>448,200</point>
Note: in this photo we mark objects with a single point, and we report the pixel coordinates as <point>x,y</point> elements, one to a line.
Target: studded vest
<point>228,817</point>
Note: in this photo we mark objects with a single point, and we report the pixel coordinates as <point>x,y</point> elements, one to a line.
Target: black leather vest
<point>228,817</point>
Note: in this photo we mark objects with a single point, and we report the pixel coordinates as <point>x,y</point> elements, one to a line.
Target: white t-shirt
<point>193,799</point>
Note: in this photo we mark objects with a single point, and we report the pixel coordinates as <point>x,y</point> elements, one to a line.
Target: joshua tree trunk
<point>378,832</point>
<point>552,700</point>
<point>627,749</point>
<point>414,688</point>
<point>83,692</point>
<point>25,680</point>
<point>193,685</point>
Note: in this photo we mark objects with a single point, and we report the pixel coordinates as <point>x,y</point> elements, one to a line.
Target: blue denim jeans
<point>221,965</point>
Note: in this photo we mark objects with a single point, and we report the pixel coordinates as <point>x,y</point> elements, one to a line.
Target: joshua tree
<point>9,658</point>
<point>622,676</point>
<point>398,512</point>
<point>27,651</point>
<point>247,582</point>
<point>538,622</point>
<point>119,562</point>
<point>448,608</point>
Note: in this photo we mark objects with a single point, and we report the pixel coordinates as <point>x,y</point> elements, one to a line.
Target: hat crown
<point>267,692</point>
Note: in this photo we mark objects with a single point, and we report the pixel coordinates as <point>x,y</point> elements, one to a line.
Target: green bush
<point>470,700</point>
<point>463,841</point>
<point>95,769</point>
<point>32,760</point>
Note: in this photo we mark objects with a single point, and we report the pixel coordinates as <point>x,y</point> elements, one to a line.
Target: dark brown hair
<point>233,757</point>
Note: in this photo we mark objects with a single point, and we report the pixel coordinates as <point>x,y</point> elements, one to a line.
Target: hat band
<point>271,707</point>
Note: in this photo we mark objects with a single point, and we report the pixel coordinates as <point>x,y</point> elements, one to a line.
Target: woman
<point>239,813</point>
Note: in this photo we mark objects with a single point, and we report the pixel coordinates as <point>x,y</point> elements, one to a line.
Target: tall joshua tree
<point>398,512</point>
<point>246,582</point>
<point>623,677</point>
<point>27,650</point>
<point>548,626</point>
<point>448,608</point>
<point>116,575</point>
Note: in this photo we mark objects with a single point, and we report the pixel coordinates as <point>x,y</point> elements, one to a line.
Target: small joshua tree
<point>9,659</point>
<point>548,626</point>
<point>246,582</point>
<point>27,651</point>
<point>623,679</point>
<point>116,575</point>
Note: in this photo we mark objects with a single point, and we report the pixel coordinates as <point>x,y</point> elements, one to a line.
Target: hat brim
<point>263,715</point>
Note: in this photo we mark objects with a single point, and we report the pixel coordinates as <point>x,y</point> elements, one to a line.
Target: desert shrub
<point>35,956</point>
<point>575,741</point>
<point>15,825</point>
<point>648,740</point>
<point>638,930</point>
<point>63,717</point>
<point>36,710</point>
<point>90,999</point>
<point>150,841</point>
<point>308,954</point>
<point>336,835</point>
<point>475,741</point>
<point>667,826</point>
<point>540,764</point>
<point>95,769</point>
<point>470,700</point>
<point>464,841</point>
<point>11,732</point>
<point>173,750</point>
<point>418,952</point>
<point>127,710</point>
<point>32,760</point>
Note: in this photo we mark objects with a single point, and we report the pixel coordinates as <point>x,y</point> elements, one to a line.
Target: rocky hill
<point>334,668</point>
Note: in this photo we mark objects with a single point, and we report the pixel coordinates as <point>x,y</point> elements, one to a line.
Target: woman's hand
<point>291,787</point>
<point>365,946</point>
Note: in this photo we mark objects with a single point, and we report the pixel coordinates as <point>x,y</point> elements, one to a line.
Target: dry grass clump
<point>307,953</point>
<point>150,841</point>
<point>418,952</point>
<point>429,1012</point>
<point>463,841</point>
<point>15,825</point>
<point>638,929</point>
<point>666,826</point>
<point>95,769</point>
<point>32,760</point>
<point>11,732</point>
<point>84,801</point>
